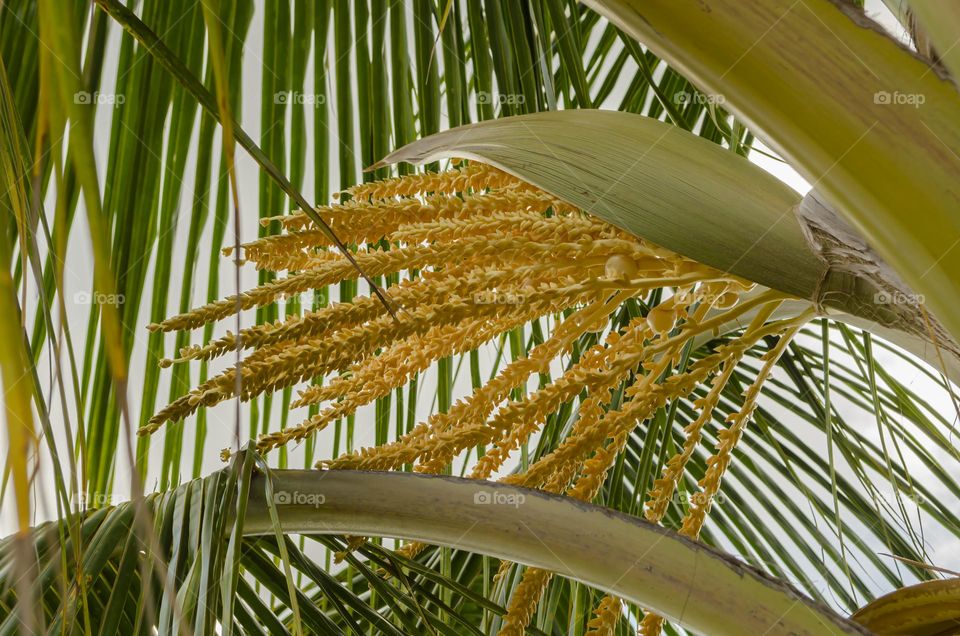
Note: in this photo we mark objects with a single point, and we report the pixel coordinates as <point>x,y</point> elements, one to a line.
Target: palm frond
<point>112,147</point>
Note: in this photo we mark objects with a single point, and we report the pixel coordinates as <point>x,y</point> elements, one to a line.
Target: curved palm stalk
<point>697,586</point>
<point>679,191</point>
<point>843,106</point>
<point>928,608</point>
<point>692,584</point>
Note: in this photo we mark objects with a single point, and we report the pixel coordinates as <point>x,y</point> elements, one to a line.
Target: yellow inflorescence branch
<point>662,492</point>
<point>485,253</point>
<point>728,438</point>
<point>605,617</point>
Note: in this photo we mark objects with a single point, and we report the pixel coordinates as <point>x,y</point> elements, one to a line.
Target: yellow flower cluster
<point>728,438</point>
<point>664,487</point>
<point>359,222</point>
<point>606,435</point>
<point>478,253</point>
<point>651,625</point>
<point>507,251</point>
<point>474,176</point>
<point>604,621</point>
<point>523,602</point>
<point>728,356</point>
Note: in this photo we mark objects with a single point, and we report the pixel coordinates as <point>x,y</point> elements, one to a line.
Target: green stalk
<point>690,583</point>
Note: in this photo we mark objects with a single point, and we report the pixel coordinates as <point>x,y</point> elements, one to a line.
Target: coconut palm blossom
<point>583,371</point>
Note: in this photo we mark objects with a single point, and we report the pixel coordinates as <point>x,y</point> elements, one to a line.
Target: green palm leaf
<point>111,137</point>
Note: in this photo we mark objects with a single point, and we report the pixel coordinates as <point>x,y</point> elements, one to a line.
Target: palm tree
<point>588,371</point>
